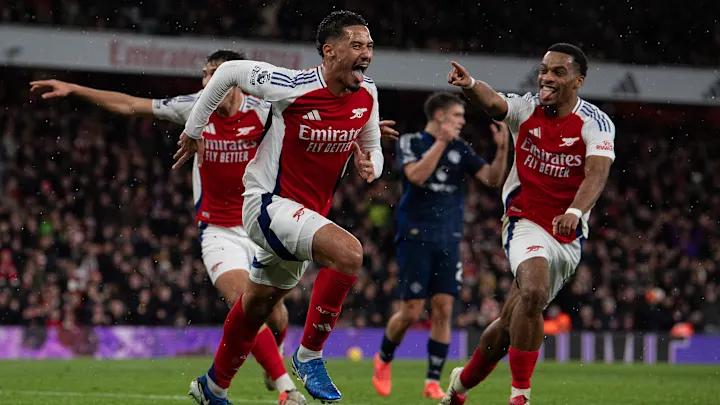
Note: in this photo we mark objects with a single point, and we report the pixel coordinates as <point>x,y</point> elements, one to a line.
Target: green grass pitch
<point>165,382</point>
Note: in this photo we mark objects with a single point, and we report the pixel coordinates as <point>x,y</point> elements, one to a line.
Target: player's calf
<point>438,344</point>
<point>399,323</point>
<point>341,255</point>
<point>277,325</point>
<point>493,346</point>
<point>526,324</point>
<point>239,336</point>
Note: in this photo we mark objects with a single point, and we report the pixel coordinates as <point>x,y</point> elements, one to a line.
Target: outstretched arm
<point>119,103</point>
<point>478,91</point>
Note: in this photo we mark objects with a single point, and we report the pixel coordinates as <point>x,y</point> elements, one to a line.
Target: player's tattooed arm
<point>115,102</point>
<point>597,170</point>
<point>478,92</point>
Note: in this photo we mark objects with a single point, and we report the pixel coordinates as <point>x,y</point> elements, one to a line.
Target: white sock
<point>516,392</point>
<point>428,381</point>
<point>459,388</point>
<point>304,354</point>
<point>215,389</point>
<point>284,383</point>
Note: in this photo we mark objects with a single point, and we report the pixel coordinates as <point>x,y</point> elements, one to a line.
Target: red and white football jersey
<point>550,158</point>
<point>310,135</point>
<point>230,144</point>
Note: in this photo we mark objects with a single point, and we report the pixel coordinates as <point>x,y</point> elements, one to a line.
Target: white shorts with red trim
<point>524,239</point>
<point>284,231</point>
<point>225,249</point>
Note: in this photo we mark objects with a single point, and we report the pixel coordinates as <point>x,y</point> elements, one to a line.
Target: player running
<point>231,137</point>
<point>434,163</point>
<point>320,116</point>
<point>564,147</point>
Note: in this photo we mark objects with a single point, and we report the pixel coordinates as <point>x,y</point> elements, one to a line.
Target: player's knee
<point>411,313</point>
<point>441,313</point>
<point>351,259</point>
<point>534,298</point>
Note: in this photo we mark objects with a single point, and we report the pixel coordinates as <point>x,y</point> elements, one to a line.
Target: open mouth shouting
<point>358,70</point>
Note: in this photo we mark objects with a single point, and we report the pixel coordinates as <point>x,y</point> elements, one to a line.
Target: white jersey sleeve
<point>260,79</point>
<point>598,132</point>
<point>369,138</point>
<point>174,109</point>
<point>520,108</point>
<point>257,105</point>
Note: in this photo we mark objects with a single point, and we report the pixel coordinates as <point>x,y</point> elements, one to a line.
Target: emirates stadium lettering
<point>328,140</point>
<point>549,163</point>
<point>228,151</point>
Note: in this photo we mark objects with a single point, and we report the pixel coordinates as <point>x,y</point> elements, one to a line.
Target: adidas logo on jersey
<point>313,115</point>
<point>210,129</point>
<point>536,132</point>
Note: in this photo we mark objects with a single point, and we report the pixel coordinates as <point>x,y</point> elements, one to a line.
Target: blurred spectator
<point>557,321</point>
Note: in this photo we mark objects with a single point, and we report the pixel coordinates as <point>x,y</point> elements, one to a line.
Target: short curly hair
<point>332,25</point>
<point>579,59</point>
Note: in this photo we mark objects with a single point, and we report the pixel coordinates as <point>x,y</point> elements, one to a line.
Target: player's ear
<point>579,82</point>
<point>328,50</point>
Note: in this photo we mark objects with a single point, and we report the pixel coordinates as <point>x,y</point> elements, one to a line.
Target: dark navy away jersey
<point>434,211</point>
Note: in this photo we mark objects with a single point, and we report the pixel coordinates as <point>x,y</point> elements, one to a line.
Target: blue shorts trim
<point>270,236</point>
<point>201,229</point>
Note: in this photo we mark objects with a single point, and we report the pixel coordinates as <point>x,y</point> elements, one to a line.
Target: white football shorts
<point>524,239</point>
<point>284,230</point>
<point>225,249</point>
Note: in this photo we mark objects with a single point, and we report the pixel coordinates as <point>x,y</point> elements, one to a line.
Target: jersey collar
<point>577,105</point>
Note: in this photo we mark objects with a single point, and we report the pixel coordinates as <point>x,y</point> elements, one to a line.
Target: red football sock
<point>280,336</point>
<point>476,370</point>
<point>522,365</point>
<point>237,340</point>
<point>266,353</point>
<point>331,288</point>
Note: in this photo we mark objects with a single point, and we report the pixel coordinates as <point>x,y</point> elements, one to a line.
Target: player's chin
<point>548,101</point>
<point>353,85</point>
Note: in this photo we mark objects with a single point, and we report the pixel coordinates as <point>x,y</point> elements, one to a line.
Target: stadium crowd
<point>95,229</point>
<point>637,32</point>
